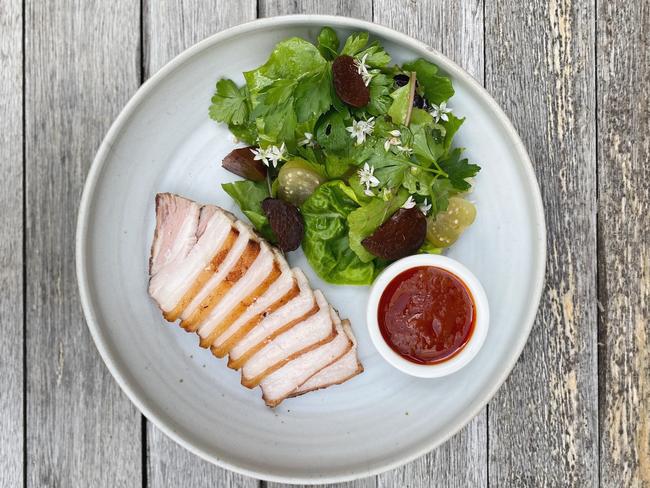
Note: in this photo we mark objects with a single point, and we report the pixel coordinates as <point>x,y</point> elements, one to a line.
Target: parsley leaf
<point>313,95</point>
<point>458,169</point>
<point>437,88</point>
<point>355,43</point>
<point>229,103</point>
<point>328,43</point>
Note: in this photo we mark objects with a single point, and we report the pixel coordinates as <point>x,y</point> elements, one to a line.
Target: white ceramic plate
<point>164,141</point>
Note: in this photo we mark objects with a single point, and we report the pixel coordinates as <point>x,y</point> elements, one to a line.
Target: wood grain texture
<point>623,48</point>
<point>543,426</point>
<point>361,9</point>
<point>81,66</point>
<point>456,29</point>
<point>169,27</point>
<point>11,244</point>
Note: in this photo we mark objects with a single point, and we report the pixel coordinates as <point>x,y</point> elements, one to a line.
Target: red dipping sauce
<point>426,314</point>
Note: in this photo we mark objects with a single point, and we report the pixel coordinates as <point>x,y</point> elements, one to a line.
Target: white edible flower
<point>409,203</point>
<point>362,69</point>
<point>394,140</point>
<point>308,140</point>
<point>360,129</point>
<point>368,179</point>
<point>270,155</point>
<point>439,112</point>
<point>425,207</point>
<point>405,149</point>
<point>368,192</point>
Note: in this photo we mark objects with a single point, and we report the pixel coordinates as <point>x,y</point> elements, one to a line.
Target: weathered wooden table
<point>574,76</point>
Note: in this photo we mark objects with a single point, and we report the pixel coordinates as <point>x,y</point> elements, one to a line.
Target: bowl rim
<point>153,412</point>
<point>466,353</point>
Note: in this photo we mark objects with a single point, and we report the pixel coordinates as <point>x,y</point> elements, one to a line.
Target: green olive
<point>447,226</point>
<point>297,180</point>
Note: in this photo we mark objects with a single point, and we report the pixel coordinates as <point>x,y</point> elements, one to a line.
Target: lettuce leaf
<point>326,242</point>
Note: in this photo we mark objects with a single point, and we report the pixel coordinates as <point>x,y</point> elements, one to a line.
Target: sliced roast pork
<point>215,274</point>
<point>302,337</point>
<point>286,380</point>
<point>278,294</point>
<point>186,250</point>
<point>293,312</point>
<point>341,370</point>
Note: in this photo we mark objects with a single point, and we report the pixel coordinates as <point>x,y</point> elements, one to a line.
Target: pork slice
<point>284,381</point>
<point>308,334</point>
<point>278,294</point>
<point>242,293</point>
<point>287,316</point>
<point>177,219</point>
<point>176,281</point>
<point>235,262</point>
<point>341,370</point>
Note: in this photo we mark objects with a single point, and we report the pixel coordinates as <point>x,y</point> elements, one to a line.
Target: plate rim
<point>94,173</point>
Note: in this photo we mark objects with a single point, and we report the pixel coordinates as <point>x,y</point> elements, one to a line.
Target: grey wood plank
<point>82,65</point>
<point>169,27</point>
<point>11,244</point>
<point>543,425</point>
<point>361,9</point>
<point>456,29</point>
<point>623,74</point>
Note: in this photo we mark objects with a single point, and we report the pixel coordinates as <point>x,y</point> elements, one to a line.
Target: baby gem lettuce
<point>360,164</point>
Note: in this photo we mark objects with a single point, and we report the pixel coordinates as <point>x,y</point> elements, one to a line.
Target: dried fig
<point>286,222</point>
<point>401,235</point>
<point>241,162</point>
<point>348,83</point>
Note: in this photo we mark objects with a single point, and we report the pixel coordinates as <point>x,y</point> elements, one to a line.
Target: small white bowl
<point>469,350</point>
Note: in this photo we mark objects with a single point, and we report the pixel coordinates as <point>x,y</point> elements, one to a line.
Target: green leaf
<point>328,43</point>
<point>437,88</point>
<point>246,133</point>
<point>451,127</point>
<point>428,248</point>
<point>289,60</point>
<point>326,243</point>
<point>376,56</point>
<point>313,95</point>
<point>366,219</point>
<point>458,169</point>
<point>229,103</point>
<point>355,43</point>
<point>331,134</point>
<point>400,105</point>
<point>425,147</point>
<point>380,99</point>
<point>249,195</point>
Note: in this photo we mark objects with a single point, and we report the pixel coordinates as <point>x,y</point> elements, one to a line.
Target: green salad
<point>348,155</point>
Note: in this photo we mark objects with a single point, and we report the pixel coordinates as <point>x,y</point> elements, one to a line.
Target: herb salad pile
<point>349,155</point>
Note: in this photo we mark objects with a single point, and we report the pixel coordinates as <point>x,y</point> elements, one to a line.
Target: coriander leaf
<point>246,133</point>
<point>229,103</point>
<point>426,149</point>
<point>328,43</point>
<point>355,43</point>
<point>326,243</point>
<point>366,219</point>
<point>458,169</point>
<point>249,195</point>
<point>313,94</point>
<point>437,88</point>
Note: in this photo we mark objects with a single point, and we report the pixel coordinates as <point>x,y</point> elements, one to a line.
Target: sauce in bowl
<point>426,314</point>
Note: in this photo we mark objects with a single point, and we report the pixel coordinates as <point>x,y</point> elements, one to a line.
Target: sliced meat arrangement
<point>224,282</point>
